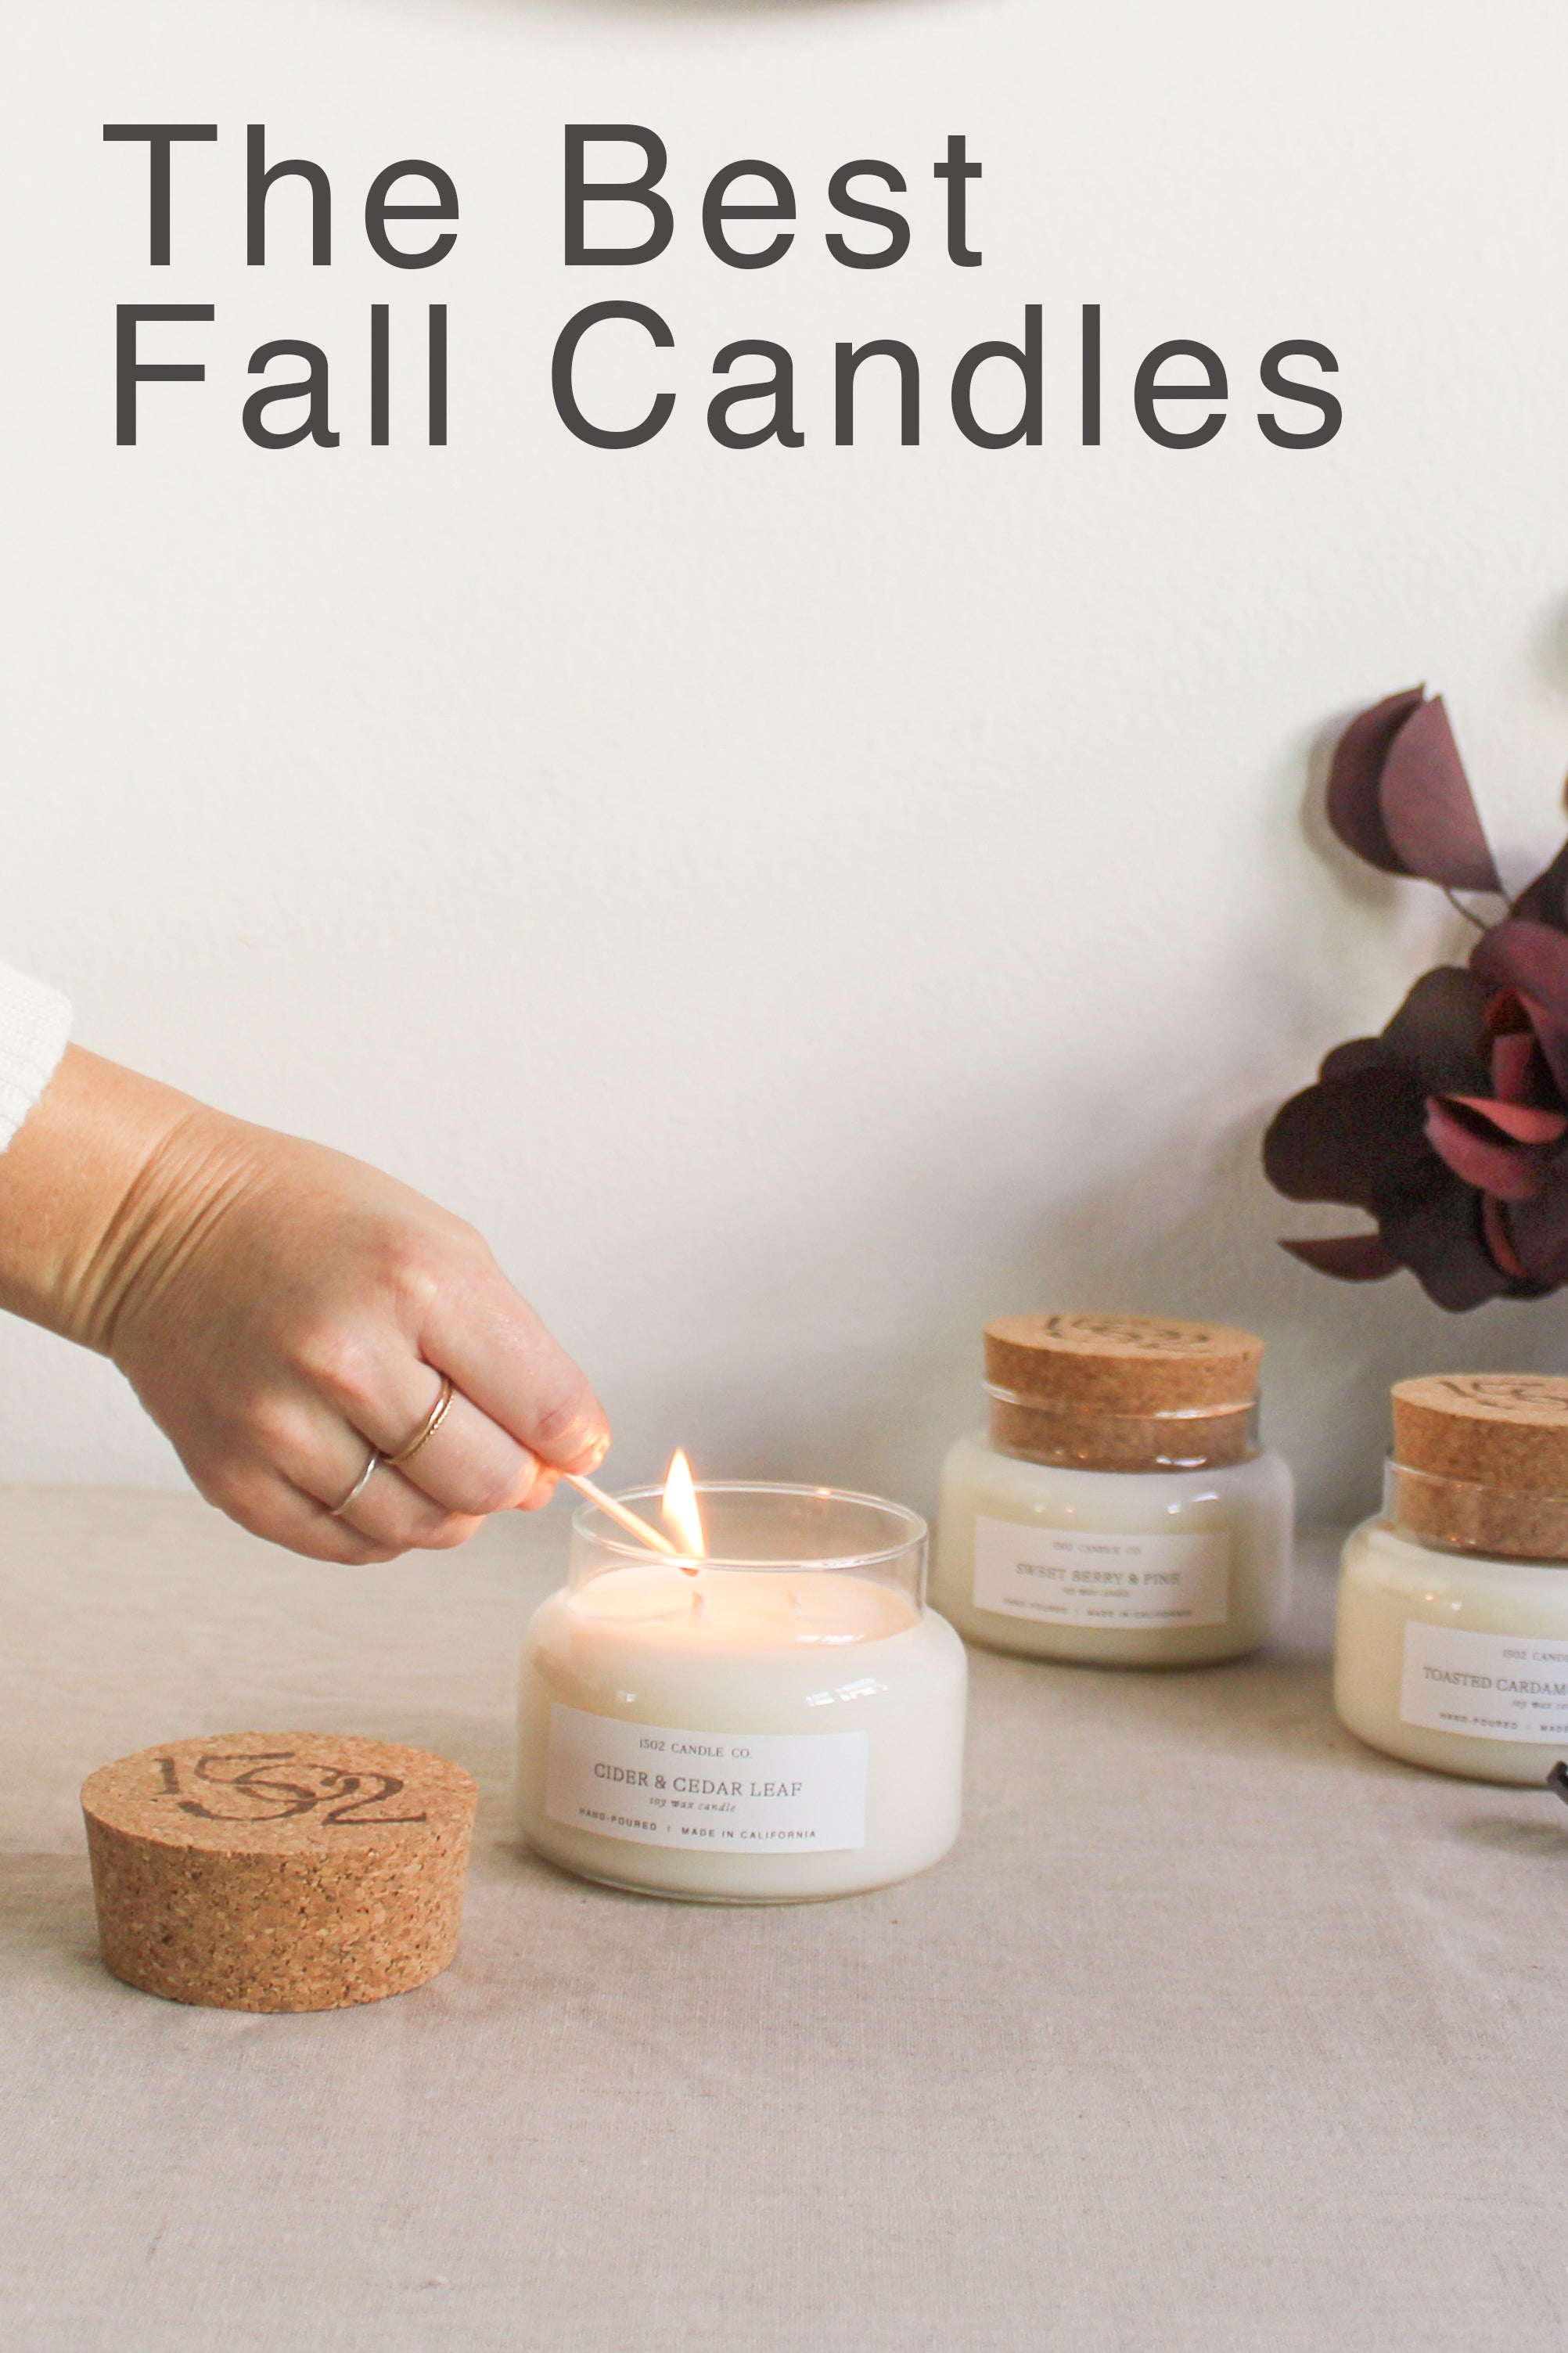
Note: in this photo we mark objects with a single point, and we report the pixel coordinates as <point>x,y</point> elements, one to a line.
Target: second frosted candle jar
<point>1452,1643</point>
<point>786,1724</point>
<point>1118,1510</point>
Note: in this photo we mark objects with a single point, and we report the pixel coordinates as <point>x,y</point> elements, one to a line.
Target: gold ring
<point>359,1484</point>
<point>436,1416</point>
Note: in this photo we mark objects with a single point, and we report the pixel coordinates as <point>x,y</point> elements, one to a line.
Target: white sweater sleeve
<point>35,1023</point>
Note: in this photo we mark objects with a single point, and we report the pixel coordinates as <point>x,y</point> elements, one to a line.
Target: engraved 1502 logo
<point>1536,1393</point>
<point>277,1784</point>
<point>1158,1339</point>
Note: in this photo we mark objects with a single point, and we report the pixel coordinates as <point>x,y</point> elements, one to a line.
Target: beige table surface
<point>1216,2032</point>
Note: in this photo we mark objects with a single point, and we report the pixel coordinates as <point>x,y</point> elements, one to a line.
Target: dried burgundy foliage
<point>1450,1129</point>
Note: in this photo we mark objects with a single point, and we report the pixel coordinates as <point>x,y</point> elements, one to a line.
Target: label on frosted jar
<point>718,1792</point>
<point>1083,1577</point>
<point>1489,1686</point>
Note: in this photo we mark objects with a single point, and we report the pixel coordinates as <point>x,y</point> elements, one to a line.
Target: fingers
<point>542,1491</point>
<point>298,1310</point>
<point>302,1440</point>
<point>520,1410</point>
<point>263,1501</point>
<point>478,1458</point>
<point>466,1468</point>
<point>394,1515</point>
<point>510,1367</point>
<point>294,1460</point>
<point>465,1464</point>
<point>360,1393</point>
<point>469,1463</point>
<point>388,1511</point>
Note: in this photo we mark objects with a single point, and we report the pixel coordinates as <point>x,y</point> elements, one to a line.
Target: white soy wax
<point>785,1725</point>
<point>1151,1568</point>
<point>1450,1660</point>
<point>1451,1641</point>
<point>1118,1511</point>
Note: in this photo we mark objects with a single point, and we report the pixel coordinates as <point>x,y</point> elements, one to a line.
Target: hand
<point>280,1311</point>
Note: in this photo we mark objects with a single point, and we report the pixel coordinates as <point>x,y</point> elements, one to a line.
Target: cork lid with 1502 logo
<point>278,1871</point>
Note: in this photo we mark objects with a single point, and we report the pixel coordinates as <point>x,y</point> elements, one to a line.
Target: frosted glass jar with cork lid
<point>1451,1647</point>
<point>1118,1509</point>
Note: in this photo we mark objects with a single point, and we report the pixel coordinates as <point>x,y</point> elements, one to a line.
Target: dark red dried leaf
<point>1355,1054</point>
<point>1483,1159</point>
<point>1429,815</point>
<point>1525,1122</point>
<point>1452,1127</point>
<point>1538,1231</point>
<point>1519,1070</point>
<point>1347,1138</point>
<point>1546,899</point>
<point>1440,1036</point>
<point>1500,1241</point>
<point>1354,1258</point>
<point>1354,806</point>
<point>1531,958</point>
<point>1506,1016</point>
<point>1437,1234</point>
<point>1527,956</point>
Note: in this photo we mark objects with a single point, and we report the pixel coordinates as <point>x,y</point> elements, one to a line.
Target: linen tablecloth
<point>1216,2033</point>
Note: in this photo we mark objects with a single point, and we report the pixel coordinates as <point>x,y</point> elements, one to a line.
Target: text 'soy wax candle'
<point>1119,1509</point>
<point>1451,1648</point>
<point>787,1723</point>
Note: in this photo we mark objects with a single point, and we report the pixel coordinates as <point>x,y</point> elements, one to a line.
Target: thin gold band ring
<point>433,1420</point>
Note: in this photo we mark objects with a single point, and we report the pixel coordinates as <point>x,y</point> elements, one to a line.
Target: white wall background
<point>799,903</point>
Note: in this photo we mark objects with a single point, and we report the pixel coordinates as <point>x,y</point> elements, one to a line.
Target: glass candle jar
<point>786,1724</point>
<point>1451,1646</point>
<point>1118,1510</point>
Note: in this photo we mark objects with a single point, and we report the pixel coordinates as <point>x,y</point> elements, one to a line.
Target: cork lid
<point>277,1870</point>
<point>279,1793</point>
<point>1121,1392</point>
<point>1481,1461</point>
<point>1502,1430</point>
<point>1122,1364</point>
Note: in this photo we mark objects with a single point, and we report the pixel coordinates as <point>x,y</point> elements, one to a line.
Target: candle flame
<point>680,1507</point>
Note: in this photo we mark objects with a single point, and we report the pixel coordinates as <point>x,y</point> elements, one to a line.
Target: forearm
<point>74,1187</point>
<point>291,1317</point>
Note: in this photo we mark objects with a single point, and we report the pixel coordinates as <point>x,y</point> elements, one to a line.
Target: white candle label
<point>1082,1576</point>
<point>1491,1686</point>
<point>718,1792</point>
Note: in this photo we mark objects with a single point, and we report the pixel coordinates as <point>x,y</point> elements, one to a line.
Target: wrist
<point>79,1186</point>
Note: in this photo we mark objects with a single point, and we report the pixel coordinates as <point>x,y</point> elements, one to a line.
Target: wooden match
<point>640,1528</point>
